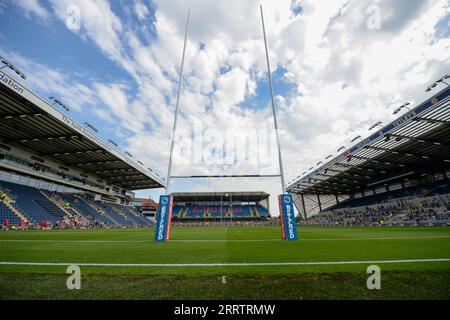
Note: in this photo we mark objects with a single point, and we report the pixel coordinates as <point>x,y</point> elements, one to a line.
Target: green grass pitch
<point>246,263</point>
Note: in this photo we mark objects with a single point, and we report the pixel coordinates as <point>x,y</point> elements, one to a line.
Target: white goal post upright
<point>169,169</point>
<point>275,122</point>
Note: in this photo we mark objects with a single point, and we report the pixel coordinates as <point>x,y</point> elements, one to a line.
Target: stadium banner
<point>163,218</point>
<point>287,215</point>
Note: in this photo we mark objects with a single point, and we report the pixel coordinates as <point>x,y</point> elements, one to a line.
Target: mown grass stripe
<point>226,240</point>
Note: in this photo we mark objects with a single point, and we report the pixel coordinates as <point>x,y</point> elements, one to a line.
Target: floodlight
<point>57,101</point>
<point>378,123</point>
<point>434,84</point>
<point>405,105</point>
<point>112,142</point>
<point>6,63</point>
<point>88,125</point>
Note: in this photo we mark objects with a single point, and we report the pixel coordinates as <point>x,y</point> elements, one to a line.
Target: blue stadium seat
<point>122,220</point>
<point>32,204</point>
<point>217,211</point>
<point>132,214</point>
<point>85,209</point>
<point>7,213</point>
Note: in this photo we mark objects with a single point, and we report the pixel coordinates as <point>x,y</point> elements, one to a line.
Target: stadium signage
<point>403,119</point>
<point>164,216</point>
<point>85,132</point>
<point>11,83</point>
<point>287,215</point>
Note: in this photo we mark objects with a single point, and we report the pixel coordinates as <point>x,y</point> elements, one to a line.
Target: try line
<point>219,264</point>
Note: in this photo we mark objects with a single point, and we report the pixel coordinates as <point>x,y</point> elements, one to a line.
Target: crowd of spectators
<point>228,222</point>
<point>406,211</point>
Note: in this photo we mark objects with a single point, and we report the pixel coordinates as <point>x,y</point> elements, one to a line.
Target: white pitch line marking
<point>375,238</point>
<point>312,239</point>
<point>75,241</point>
<point>221,240</point>
<point>219,264</point>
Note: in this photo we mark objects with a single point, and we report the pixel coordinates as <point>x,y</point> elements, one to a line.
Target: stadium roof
<point>29,121</point>
<point>218,196</point>
<point>418,142</point>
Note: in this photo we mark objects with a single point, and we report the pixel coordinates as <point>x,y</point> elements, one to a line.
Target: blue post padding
<point>290,226</point>
<point>163,218</point>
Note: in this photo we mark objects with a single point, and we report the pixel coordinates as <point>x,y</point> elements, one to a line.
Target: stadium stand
<point>85,210</point>
<point>57,208</point>
<point>410,207</point>
<point>131,214</point>
<point>118,219</point>
<point>220,206</point>
<point>216,211</point>
<point>54,170</point>
<point>31,203</point>
<point>399,175</point>
<point>7,213</point>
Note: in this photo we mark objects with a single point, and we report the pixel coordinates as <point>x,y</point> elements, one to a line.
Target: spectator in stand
<point>428,210</point>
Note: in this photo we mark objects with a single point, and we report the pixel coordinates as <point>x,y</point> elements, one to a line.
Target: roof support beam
<point>347,173</point>
<point>114,170</point>
<point>121,178</point>
<point>399,136</point>
<point>336,186</point>
<point>36,139</point>
<point>409,154</point>
<point>20,116</point>
<point>367,168</point>
<point>393,151</point>
<point>447,123</point>
<point>77,151</point>
<point>334,178</point>
<point>294,190</point>
<point>314,185</point>
<point>325,191</point>
<point>389,163</point>
<point>93,162</point>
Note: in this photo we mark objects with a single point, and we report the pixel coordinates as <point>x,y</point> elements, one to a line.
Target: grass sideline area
<point>213,263</point>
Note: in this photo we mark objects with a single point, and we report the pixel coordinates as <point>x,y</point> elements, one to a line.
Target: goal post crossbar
<point>228,176</point>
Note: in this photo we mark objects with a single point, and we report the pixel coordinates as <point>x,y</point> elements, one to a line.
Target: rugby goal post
<point>286,207</point>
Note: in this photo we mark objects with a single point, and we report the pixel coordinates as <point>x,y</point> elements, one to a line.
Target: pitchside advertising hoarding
<point>287,215</point>
<point>164,216</point>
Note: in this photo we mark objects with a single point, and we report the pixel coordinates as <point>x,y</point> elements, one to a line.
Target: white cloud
<point>54,82</point>
<point>141,10</point>
<point>32,8</point>
<point>98,21</point>
<point>345,76</point>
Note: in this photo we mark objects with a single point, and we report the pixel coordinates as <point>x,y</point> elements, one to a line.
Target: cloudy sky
<point>338,67</point>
